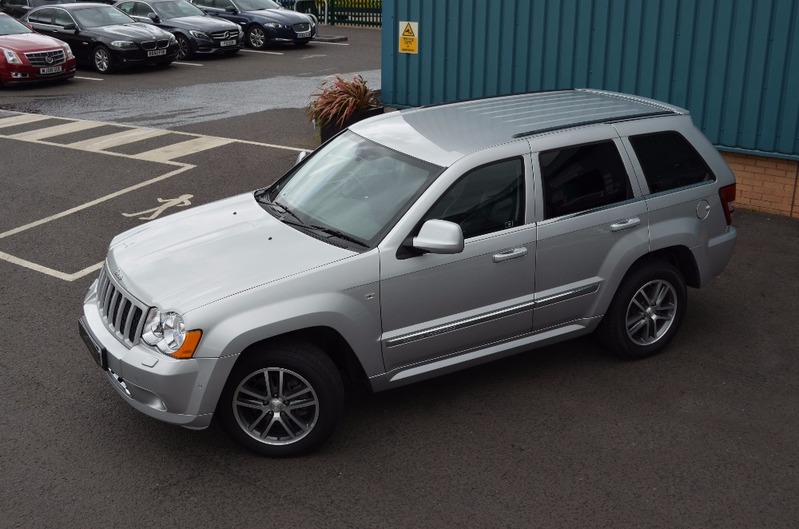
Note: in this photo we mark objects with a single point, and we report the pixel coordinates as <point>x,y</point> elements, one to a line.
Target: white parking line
<point>21,119</point>
<point>57,130</point>
<point>263,52</point>
<point>89,78</point>
<point>330,43</point>
<point>184,148</point>
<point>181,63</point>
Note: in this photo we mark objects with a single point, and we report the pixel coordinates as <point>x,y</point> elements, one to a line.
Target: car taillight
<point>727,195</point>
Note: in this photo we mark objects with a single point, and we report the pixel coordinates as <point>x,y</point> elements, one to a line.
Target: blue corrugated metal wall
<point>733,63</point>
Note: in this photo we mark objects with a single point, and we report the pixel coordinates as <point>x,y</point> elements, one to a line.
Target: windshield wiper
<point>336,233</point>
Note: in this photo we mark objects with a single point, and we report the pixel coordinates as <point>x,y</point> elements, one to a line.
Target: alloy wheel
<point>651,312</point>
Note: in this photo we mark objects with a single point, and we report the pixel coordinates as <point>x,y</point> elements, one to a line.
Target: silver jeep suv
<point>414,244</point>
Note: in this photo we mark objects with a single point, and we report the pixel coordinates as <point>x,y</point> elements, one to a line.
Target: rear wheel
<point>646,312</point>
<point>101,58</point>
<point>282,401</point>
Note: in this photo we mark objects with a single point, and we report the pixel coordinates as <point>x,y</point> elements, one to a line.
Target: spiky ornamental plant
<point>336,101</point>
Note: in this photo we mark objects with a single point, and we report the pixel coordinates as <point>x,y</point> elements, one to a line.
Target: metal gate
<point>367,13</point>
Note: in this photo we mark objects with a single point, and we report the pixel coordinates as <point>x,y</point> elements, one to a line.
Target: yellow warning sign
<point>408,38</point>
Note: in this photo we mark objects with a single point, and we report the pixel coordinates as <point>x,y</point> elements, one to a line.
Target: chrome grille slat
<point>122,314</point>
<point>302,26</point>
<point>225,35</point>
<point>40,58</point>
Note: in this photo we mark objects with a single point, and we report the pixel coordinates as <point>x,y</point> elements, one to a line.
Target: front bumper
<point>167,389</point>
<point>138,55</point>
<point>25,73</point>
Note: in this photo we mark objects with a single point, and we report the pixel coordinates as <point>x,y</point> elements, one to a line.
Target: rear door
<point>593,224</point>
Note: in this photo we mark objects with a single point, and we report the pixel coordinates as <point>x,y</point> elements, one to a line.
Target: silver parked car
<point>414,244</point>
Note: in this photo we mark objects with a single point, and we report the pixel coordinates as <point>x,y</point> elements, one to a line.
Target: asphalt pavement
<point>703,435</point>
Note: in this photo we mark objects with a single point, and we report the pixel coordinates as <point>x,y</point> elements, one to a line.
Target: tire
<point>102,60</point>
<point>184,47</point>
<point>256,37</point>
<point>254,408</point>
<point>646,311</point>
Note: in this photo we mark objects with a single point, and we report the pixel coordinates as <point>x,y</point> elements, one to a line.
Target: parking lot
<point>703,435</point>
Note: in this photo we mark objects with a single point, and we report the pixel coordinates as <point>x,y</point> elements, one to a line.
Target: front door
<point>439,305</point>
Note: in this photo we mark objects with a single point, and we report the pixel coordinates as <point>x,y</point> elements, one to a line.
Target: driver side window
<point>487,199</point>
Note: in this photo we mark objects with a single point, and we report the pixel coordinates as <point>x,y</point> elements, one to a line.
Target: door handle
<point>506,255</point>
<point>625,224</point>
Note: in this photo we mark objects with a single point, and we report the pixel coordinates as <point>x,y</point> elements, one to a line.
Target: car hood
<point>132,31</point>
<point>284,16</point>
<point>195,257</point>
<point>28,42</point>
<point>201,23</point>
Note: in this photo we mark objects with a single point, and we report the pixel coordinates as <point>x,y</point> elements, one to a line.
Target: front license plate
<point>227,43</point>
<point>97,352</point>
<point>304,35</point>
<point>156,53</point>
<point>50,69</point>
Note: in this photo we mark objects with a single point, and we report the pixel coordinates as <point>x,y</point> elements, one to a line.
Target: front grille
<point>225,35</point>
<point>122,314</point>
<point>46,58</point>
<point>163,43</point>
<point>148,45</point>
<point>302,26</point>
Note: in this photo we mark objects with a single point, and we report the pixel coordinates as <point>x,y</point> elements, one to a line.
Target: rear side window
<point>583,177</point>
<point>669,161</point>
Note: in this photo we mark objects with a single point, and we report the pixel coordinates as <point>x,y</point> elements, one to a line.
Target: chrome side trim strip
<point>462,324</point>
<point>476,320</point>
<point>564,296</point>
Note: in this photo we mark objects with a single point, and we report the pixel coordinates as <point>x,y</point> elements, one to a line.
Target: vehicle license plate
<point>304,35</point>
<point>156,53</point>
<point>97,352</point>
<point>227,43</point>
<point>50,69</point>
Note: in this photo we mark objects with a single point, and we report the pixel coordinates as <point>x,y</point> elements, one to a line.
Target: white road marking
<point>181,202</point>
<point>49,271</point>
<point>90,78</point>
<point>21,119</point>
<point>330,43</point>
<point>181,63</point>
<point>184,148</point>
<point>312,57</point>
<point>116,139</point>
<point>57,130</point>
<point>263,52</point>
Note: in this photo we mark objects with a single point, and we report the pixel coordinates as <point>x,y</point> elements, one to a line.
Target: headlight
<point>275,25</point>
<point>11,57</point>
<point>166,331</point>
<point>124,44</point>
<point>199,34</point>
<point>68,52</point>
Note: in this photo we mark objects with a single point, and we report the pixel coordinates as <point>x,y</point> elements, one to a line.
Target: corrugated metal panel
<point>733,63</point>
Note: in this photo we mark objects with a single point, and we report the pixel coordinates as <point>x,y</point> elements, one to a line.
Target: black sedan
<point>195,31</point>
<point>103,36</point>
<point>264,21</point>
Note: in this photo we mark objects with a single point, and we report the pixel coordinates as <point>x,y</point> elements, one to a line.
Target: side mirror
<point>155,18</point>
<point>71,27</point>
<point>301,156</point>
<point>231,9</point>
<point>439,236</point>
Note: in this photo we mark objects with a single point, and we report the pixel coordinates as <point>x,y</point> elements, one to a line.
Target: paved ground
<point>703,435</point>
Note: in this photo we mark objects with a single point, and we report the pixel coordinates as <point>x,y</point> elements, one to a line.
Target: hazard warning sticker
<point>408,37</point>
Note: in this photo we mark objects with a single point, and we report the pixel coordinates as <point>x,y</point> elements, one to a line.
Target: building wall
<point>770,185</point>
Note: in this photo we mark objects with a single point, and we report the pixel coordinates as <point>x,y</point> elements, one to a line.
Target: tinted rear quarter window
<point>669,161</point>
<point>583,177</point>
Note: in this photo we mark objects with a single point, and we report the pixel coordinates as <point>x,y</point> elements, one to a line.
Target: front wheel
<point>256,37</point>
<point>102,60</point>
<point>184,47</point>
<point>646,312</point>
<point>282,401</point>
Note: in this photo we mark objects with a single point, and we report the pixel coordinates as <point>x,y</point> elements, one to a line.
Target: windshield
<point>352,187</point>
<point>177,9</point>
<point>253,5</point>
<point>98,16</point>
<point>9,26</point>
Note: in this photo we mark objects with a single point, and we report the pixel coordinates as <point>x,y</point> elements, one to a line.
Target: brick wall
<point>765,184</point>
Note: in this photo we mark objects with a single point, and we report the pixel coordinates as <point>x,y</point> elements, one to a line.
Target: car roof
<point>441,134</point>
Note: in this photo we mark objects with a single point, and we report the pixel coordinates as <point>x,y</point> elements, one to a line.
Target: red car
<point>29,57</point>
